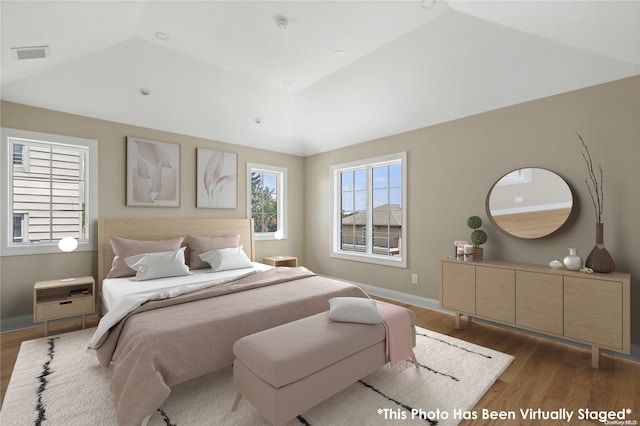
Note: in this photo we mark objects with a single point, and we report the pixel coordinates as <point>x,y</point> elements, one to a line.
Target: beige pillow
<point>200,245</point>
<point>123,248</point>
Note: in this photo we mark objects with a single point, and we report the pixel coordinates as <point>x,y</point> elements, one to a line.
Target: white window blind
<point>49,190</point>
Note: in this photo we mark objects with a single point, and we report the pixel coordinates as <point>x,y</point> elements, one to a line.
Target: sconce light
<point>278,235</point>
<point>67,245</point>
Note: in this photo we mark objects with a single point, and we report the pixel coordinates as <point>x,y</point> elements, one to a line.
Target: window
<point>49,188</point>
<point>369,221</point>
<point>266,200</point>
<point>515,177</point>
<point>18,227</point>
<point>18,154</point>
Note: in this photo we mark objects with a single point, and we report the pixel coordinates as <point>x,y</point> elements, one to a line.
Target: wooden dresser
<point>593,309</point>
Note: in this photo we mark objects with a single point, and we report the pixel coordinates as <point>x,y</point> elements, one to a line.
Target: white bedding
<point>114,289</point>
<point>122,295</point>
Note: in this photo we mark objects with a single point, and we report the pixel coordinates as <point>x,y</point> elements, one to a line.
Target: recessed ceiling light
<point>144,91</point>
<point>340,53</point>
<point>281,22</point>
<point>287,83</point>
<point>162,36</point>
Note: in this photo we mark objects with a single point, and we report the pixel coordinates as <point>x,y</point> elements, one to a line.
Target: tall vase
<point>599,259</point>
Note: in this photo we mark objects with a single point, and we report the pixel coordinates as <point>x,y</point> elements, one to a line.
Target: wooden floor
<point>533,224</point>
<point>544,375</point>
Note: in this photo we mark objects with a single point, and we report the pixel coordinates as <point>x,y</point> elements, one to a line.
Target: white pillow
<point>158,265</point>
<point>354,309</point>
<point>226,258</point>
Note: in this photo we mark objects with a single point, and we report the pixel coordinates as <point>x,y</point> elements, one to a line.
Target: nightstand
<point>289,261</point>
<point>63,298</point>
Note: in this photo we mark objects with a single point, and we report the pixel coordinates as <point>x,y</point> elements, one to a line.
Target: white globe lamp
<point>67,245</point>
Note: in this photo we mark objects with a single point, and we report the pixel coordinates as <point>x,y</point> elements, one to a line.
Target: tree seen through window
<point>264,204</point>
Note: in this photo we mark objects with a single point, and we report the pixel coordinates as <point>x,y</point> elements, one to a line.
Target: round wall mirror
<point>529,203</point>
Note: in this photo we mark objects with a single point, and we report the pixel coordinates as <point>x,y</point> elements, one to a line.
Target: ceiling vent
<point>33,52</point>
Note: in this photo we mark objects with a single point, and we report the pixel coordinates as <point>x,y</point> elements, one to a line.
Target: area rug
<point>54,382</point>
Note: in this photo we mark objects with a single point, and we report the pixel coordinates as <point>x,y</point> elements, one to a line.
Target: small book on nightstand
<point>79,292</point>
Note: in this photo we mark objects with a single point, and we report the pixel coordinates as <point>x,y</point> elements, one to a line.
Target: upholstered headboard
<point>161,229</point>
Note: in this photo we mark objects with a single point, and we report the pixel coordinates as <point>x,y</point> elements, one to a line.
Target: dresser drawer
<point>458,287</point>
<point>539,301</point>
<point>593,311</point>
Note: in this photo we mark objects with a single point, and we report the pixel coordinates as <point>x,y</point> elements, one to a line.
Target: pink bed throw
<point>397,323</point>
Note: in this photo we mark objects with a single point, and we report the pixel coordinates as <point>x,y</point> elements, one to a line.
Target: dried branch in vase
<point>596,188</point>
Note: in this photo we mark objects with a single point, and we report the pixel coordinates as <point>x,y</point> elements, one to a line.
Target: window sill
<point>394,261</point>
<point>267,237</point>
<point>41,249</point>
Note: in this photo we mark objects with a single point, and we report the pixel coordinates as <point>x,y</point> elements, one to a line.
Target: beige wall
<point>19,273</point>
<point>452,166</point>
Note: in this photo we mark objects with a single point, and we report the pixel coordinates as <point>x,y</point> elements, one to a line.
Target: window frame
<point>336,225</point>
<point>281,176</point>
<point>23,165</point>
<point>516,177</point>
<point>7,214</point>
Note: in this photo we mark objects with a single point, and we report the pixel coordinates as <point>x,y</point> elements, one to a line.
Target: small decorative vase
<point>572,261</point>
<point>599,259</point>
<point>555,264</point>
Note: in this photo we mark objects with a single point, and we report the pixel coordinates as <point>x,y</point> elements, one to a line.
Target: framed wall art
<point>216,177</point>
<point>153,173</point>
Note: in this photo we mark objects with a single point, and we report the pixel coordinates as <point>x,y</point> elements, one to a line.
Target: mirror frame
<point>506,231</point>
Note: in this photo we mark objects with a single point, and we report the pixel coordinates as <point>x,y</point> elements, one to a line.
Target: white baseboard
<point>17,323</point>
<point>434,305</point>
<point>422,302</point>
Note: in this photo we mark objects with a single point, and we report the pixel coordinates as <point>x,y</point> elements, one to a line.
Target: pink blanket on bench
<point>397,323</point>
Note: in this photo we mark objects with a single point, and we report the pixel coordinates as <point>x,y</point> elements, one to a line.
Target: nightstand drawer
<point>63,308</point>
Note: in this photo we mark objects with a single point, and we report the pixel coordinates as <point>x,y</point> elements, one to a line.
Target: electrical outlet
<point>414,278</point>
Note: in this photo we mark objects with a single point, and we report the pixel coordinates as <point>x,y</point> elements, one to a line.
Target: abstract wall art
<point>153,173</point>
<point>216,177</point>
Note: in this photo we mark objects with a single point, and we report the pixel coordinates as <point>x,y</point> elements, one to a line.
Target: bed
<point>170,341</point>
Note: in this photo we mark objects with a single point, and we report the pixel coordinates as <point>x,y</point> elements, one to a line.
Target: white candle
<point>468,253</point>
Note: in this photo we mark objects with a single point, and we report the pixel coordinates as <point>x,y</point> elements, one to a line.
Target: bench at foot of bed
<point>286,370</point>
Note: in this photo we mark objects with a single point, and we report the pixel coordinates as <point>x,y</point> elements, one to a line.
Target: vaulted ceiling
<point>332,74</point>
